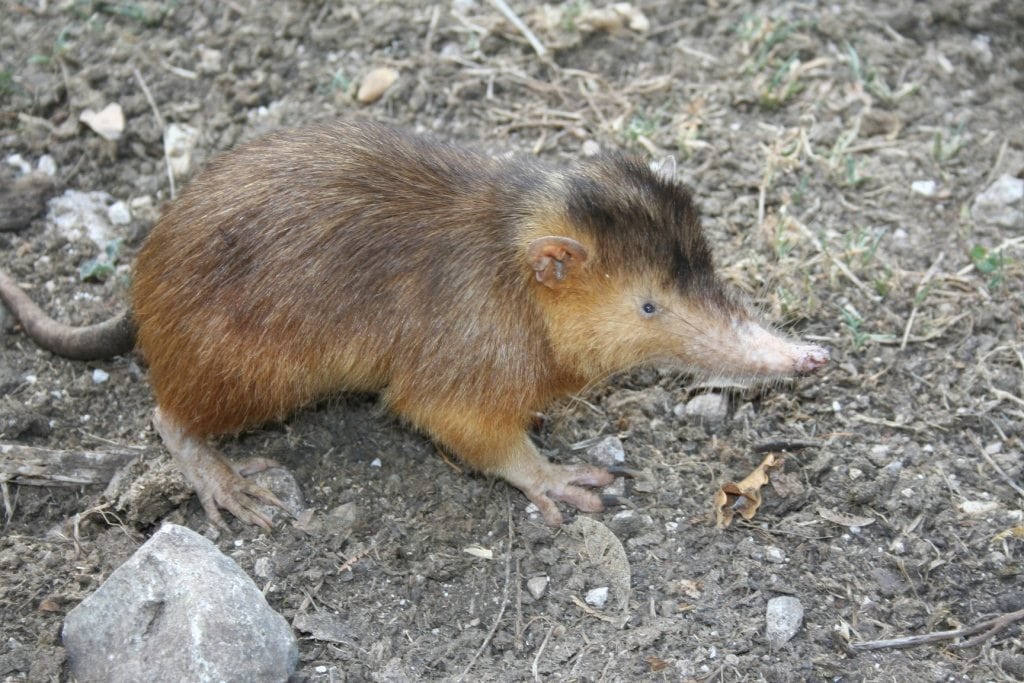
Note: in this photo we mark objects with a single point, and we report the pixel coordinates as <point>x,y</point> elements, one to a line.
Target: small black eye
<point>649,308</point>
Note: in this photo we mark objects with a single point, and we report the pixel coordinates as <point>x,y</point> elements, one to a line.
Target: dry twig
<point>987,629</point>
<point>530,36</point>
<point>160,122</point>
<point>918,296</point>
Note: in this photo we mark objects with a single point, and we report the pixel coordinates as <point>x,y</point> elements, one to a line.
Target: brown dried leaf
<point>49,605</point>
<point>656,663</point>
<point>744,497</point>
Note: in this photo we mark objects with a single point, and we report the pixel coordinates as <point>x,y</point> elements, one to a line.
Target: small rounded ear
<point>555,259</point>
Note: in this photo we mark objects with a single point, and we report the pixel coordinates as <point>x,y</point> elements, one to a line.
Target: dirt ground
<point>836,150</point>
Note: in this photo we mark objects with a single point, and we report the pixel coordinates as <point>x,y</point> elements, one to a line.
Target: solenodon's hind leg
<point>216,480</point>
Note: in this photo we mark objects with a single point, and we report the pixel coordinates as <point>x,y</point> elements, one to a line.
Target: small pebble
<point>608,451</point>
<point>18,162</point>
<point>46,165</point>
<point>924,187</point>
<point>774,554</point>
<point>537,585</point>
<point>100,376</point>
<point>375,84</point>
<point>977,507</point>
<point>375,462</point>
<point>1000,203</point>
<point>783,618</point>
<point>179,141</point>
<point>119,213</point>
<point>712,407</point>
<point>597,597</point>
<point>591,148</point>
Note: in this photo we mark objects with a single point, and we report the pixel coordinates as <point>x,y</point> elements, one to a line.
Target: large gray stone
<point>178,610</point>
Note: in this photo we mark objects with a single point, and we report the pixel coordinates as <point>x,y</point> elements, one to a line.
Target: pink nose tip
<point>810,358</point>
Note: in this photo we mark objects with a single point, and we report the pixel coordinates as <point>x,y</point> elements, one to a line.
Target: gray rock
<point>783,618</point>
<point>712,408</point>
<point>537,585</point>
<point>179,607</point>
<point>282,484</point>
<point>1001,203</point>
<point>597,596</point>
<point>608,451</point>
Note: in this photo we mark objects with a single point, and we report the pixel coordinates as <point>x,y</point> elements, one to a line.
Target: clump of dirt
<point>837,153</point>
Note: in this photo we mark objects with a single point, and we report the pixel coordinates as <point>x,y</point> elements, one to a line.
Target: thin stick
<point>531,38</point>
<point>504,593</point>
<point>161,123</point>
<point>989,629</point>
<point>435,15</point>
<point>929,274</point>
<point>535,667</point>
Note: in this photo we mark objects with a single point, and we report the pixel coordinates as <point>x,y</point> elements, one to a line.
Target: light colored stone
<point>783,618</point>
<point>537,585</point>
<point>711,407</point>
<point>1001,203</point>
<point>179,607</point>
<point>608,451</point>
<point>82,215</point>
<point>108,122</point>
<point>597,597</point>
<point>375,84</point>
<point>179,141</point>
<point>925,188</point>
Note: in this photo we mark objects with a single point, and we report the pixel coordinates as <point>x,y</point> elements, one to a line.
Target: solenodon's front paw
<point>565,483</point>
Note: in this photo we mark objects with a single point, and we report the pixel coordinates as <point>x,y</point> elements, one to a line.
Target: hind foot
<point>217,481</point>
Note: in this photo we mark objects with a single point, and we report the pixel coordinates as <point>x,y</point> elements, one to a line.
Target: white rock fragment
<point>614,18</point>
<point>479,551</point>
<point>537,585</point>
<point>209,60</point>
<point>76,215</point>
<point>977,507</point>
<point>783,618</point>
<point>46,165</point>
<point>119,213</point>
<point>608,451</point>
<point>635,19</point>
<point>375,84</point>
<point>597,597</point>
<point>774,554</point>
<point>1001,203</point>
<point>108,122</point>
<point>179,141</point>
<point>376,462</point>
<point>99,376</point>
<point>711,407</point>
<point>16,161</point>
<point>183,609</point>
<point>924,187</point>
